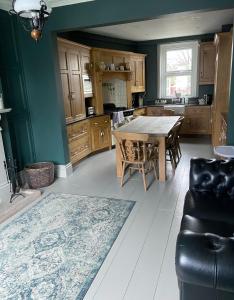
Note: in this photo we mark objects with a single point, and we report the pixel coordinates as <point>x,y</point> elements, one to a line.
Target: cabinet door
<point>207,63</point>
<point>133,79</point>
<point>85,61</point>
<point>76,87</point>
<point>197,120</point>
<point>64,72</point>
<point>138,74</point>
<point>100,133</point>
<point>100,137</point>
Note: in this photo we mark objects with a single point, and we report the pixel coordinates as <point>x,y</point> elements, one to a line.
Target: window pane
<point>178,85</point>
<point>179,60</point>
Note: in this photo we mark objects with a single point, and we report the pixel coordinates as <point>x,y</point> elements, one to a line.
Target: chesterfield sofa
<point>205,243</point>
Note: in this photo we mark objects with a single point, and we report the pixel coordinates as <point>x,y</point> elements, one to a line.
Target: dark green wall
<point>37,125</point>
<point>15,93</point>
<point>43,112</point>
<point>99,41</point>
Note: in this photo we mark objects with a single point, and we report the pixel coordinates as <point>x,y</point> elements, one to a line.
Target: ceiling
<point>7,4</point>
<point>176,25</point>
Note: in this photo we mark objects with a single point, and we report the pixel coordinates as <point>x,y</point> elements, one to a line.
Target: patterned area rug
<point>55,249</point>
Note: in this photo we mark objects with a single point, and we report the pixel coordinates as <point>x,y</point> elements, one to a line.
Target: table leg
<point>162,159</point>
<point>118,160</point>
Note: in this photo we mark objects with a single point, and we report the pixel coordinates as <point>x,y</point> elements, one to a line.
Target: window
<point>178,70</point>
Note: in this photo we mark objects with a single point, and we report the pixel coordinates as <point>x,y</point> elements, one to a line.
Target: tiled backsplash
<point>115,91</point>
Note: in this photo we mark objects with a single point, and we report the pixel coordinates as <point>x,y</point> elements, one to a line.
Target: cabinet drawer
<point>79,148</point>
<point>100,121</point>
<point>77,130</point>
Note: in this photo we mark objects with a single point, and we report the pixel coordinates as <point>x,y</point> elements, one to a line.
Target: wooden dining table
<point>157,128</point>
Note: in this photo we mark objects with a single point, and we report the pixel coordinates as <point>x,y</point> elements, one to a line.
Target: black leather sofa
<point>205,243</point>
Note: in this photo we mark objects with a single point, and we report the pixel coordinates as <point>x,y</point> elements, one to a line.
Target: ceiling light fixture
<point>32,14</point>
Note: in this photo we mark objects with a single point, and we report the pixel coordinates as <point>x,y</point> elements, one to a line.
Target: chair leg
<point>123,172</point>
<point>172,159</point>
<point>155,170</point>
<point>179,149</point>
<point>144,177</point>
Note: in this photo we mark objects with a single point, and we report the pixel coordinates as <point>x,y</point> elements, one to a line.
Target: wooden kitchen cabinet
<point>137,63</point>
<point>223,43</point>
<point>87,136</point>
<point>197,120</point>
<point>100,133</point>
<point>74,60</point>
<point>85,60</point>
<point>141,111</point>
<point>223,130</point>
<point>79,140</point>
<point>207,63</point>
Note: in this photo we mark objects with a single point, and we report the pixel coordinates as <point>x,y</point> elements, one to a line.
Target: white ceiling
<point>176,25</point>
<point>7,4</point>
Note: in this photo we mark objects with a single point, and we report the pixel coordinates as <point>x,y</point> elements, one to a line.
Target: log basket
<point>39,174</point>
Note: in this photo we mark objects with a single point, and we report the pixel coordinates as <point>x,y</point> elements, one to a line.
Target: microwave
<point>87,86</point>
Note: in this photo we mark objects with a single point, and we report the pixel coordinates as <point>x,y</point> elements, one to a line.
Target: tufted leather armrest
<point>214,176</point>
<point>206,260</point>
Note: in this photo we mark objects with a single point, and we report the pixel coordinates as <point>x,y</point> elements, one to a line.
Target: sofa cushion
<point>207,205</point>
<point>207,226</point>
<point>214,176</point>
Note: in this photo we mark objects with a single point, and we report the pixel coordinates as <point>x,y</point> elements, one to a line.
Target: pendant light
<point>32,14</point>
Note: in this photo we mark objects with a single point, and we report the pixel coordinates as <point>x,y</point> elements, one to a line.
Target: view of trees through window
<point>178,69</point>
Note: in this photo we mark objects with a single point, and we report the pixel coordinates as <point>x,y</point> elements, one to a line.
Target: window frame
<point>163,48</point>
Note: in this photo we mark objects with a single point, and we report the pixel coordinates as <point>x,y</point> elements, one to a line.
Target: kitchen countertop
<point>167,104</point>
<point>86,118</point>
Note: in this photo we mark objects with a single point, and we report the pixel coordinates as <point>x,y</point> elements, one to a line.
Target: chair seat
<point>196,225</point>
<point>206,205</point>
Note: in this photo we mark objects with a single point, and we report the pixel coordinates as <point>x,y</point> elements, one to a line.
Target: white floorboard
<point>140,265</point>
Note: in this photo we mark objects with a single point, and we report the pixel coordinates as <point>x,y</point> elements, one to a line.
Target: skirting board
<point>63,170</point>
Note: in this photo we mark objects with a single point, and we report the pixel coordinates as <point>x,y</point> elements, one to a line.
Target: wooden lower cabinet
<point>154,110</point>
<point>79,140</point>
<point>87,136</point>
<point>100,133</point>
<point>139,112</point>
<point>197,120</point>
<point>223,131</point>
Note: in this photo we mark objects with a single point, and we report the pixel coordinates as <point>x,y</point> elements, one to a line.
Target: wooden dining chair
<point>138,152</point>
<point>179,152</point>
<point>167,112</point>
<point>172,145</point>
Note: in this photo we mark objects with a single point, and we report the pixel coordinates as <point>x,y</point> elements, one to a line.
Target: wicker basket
<point>39,175</point>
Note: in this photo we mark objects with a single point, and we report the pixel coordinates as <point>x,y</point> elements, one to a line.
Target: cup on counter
<point>121,68</point>
<point>112,67</point>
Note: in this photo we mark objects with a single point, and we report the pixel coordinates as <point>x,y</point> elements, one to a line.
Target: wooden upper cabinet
<point>74,61</point>
<point>65,80</point>
<point>138,73</point>
<point>85,61</point>
<point>207,63</point>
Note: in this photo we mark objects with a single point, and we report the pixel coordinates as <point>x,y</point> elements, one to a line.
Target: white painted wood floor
<point>140,265</point>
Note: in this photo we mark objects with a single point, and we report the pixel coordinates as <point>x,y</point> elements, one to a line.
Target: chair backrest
<point>167,112</point>
<point>212,175</point>
<point>173,135</point>
<point>134,147</point>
